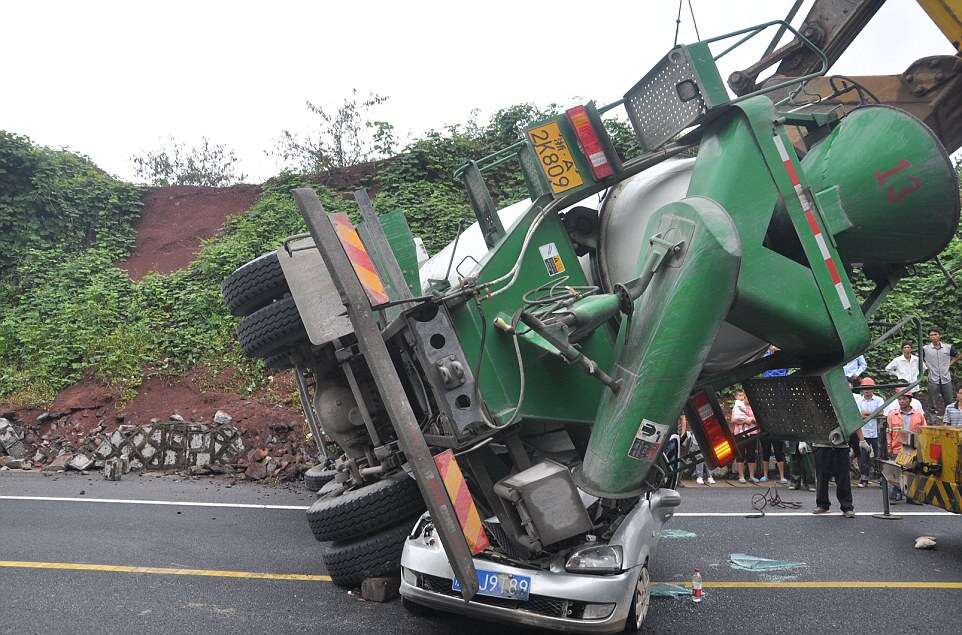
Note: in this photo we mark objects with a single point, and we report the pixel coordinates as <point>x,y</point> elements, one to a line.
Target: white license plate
<point>500,585</point>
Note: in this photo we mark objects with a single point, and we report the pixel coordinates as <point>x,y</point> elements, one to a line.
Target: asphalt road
<point>276,540</point>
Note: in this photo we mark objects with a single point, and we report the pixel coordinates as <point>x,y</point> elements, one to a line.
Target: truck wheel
<point>277,325</point>
<point>349,562</point>
<point>366,510</point>
<point>254,285</point>
<point>640,601</point>
<point>330,487</point>
<point>317,477</point>
<point>278,361</point>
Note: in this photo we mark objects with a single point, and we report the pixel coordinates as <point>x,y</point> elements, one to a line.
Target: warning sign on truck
<point>648,440</point>
<point>552,261</point>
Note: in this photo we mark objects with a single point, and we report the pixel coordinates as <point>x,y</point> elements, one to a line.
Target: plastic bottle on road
<point>696,594</point>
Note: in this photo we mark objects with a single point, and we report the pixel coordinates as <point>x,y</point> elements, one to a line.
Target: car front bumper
<point>557,601</point>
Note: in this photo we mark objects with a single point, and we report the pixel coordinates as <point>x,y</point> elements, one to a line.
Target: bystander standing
<point>690,444</point>
<point>868,402</point>
<point>801,466</point>
<point>939,358</point>
<point>743,420</point>
<point>953,411</point>
<point>854,369</point>
<point>905,419</point>
<point>905,367</point>
<point>772,448</point>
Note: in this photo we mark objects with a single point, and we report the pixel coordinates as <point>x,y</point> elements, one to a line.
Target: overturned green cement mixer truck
<point>503,413</point>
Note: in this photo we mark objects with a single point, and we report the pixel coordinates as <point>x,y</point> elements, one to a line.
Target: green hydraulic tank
<point>885,186</point>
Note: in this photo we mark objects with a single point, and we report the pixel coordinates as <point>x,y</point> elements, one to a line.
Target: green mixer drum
<point>886,187</point>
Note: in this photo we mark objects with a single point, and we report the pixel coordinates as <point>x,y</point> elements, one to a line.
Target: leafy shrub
<point>210,164</point>
<point>54,198</point>
<point>77,312</point>
<point>342,138</point>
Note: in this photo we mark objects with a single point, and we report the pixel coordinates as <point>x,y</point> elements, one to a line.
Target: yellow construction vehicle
<point>927,468</point>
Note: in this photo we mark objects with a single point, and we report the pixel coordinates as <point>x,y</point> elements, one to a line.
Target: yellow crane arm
<point>947,15</point>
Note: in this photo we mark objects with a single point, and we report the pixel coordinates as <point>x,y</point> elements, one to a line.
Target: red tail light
<point>711,431</point>
<point>590,142</point>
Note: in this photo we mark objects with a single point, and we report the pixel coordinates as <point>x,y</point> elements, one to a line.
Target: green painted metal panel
<point>554,390</point>
<point>777,299</point>
<point>662,349</point>
<point>712,86</point>
<point>401,239</point>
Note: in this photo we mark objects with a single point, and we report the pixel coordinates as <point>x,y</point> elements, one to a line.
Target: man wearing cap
<point>867,402</point>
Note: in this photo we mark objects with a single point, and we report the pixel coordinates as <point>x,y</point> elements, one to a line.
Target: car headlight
<point>595,559</point>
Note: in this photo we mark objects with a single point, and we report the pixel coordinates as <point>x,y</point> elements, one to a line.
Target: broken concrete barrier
<point>80,462</point>
<point>11,442</point>
<point>380,589</point>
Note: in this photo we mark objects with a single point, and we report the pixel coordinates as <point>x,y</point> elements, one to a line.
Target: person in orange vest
<point>905,419</point>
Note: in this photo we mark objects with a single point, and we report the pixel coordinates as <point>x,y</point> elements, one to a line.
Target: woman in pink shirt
<point>743,420</point>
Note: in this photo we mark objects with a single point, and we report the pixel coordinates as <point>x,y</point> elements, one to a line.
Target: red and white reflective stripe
<point>812,222</point>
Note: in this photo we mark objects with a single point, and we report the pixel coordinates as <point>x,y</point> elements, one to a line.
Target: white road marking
<point>125,501</point>
<point>799,514</point>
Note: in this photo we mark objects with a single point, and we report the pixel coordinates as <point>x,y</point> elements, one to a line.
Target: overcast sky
<point>110,79</point>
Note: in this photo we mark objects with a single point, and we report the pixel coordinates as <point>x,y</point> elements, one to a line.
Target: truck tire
<point>271,328</point>
<point>278,361</point>
<point>349,562</point>
<point>366,510</point>
<point>317,477</point>
<point>329,487</point>
<point>254,285</point>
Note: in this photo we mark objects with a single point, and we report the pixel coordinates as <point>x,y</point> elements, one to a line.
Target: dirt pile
<point>175,220</point>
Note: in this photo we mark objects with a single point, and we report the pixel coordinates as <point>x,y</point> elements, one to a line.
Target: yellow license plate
<point>554,157</point>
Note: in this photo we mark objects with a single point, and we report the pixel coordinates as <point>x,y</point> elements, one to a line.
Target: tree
<point>207,163</point>
<point>346,137</point>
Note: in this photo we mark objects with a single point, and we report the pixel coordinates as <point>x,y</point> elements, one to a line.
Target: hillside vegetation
<point>66,310</point>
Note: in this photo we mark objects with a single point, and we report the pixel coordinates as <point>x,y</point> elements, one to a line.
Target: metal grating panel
<point>654,106</point>
<point>795,407</point>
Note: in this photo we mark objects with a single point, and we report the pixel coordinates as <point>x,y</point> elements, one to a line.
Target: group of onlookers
<point>813,467</point>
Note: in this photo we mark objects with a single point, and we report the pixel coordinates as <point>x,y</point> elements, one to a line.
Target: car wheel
<point>349,562</point>
<point>366,510</point>
<point>254,285</point>
<point>317,477</point>
<point>275,326</point>
<point>640,601</point>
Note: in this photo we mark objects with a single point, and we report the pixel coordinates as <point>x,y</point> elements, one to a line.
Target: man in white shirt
<point>906,366</point>
<point>867,402</point>
<point>854,369</point>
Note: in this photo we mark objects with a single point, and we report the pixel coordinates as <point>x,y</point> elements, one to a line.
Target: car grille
<point>540,604</point>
